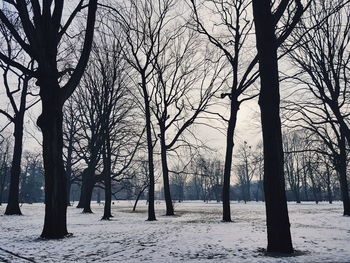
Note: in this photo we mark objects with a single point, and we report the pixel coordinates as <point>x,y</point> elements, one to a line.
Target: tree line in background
<point>309,177</point>
<point>125,88</point>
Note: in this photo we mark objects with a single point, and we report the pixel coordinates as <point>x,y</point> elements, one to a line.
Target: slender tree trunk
<point>50,123</point>
<point>68,192</point>
<point>12,207</point>
<point>3,174</point>
<point>138,198</point>
<point>342,176</point>
<point>278,226</point>
<point>68,175</point>
<point>226,212</point>
<point>107,214</point>
<point>167,194</point>
<point>69,168</point>
<point>151,211</point>
<point>305,185</point>
<point>297,195</point>
<point>329,190</point>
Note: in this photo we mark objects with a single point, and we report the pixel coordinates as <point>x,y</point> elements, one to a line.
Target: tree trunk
<point>107,214</point>
<point>3,174</point>
<point>151,211</point>
<point>50,123</point>
<point>167,194</point>
<point>12,207</point>
<point>138,198</point>
<point>69,168</point>
<point>83,186</point>
<point>329,189</point>
<point>305,185</point>
<point>90,184</point>
<point>342,176</point>
<point>68,191</point>
<point>86,189</point>
<point>297,195</point>
<point>226,212</point>
<point>278,226</point>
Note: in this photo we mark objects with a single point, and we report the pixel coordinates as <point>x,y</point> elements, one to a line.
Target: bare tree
<point>70,136</point>
<point>233,20</point>
<point>278,226</point>
<point>185,82</point>
<point>322,57</point>
<point>40,35</point>
<point>292,142</point>
<point>245,169</point>
<point>142,24</point>
<point>4,166</point>
<point>15,114</point>
<point>322,60</point>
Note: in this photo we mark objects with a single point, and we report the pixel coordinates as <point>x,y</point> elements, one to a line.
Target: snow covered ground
<point>320,234</point>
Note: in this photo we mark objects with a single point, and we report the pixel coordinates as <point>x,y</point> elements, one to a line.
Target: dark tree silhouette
<point>185,82</point>
<point>322,60</point>
<point>236,25</point>
<point>278,226</point>
<point>16,113</point>
<point>142,24</point>
<point>40,37</point>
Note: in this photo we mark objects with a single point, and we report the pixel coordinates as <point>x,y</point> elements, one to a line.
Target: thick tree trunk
<point>82,197</point>
<point>50,123</point>
<point>87,187</point>
<point>278,226</point>
<point>151,211</point>
<point>167,194</point>
<point>342,176</point>
<point>90,184</point>
<point>226,212</point>
<point>12,207</point>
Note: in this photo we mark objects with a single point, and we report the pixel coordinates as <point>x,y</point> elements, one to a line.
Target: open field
<point>320,234</point>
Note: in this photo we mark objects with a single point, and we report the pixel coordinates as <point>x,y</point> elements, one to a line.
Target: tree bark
<point>90,184</point>
<point>50,123</point>
<point>226,215</point>
<point>107,214</point>
<point>138,198</point>
<point>82,197</point>
<point>69,168</point>
<point>151,211</point>
<point>68,191</point>
<point>12,207</point>
<point>165,169</point>
<point>329,189</point>
<point>3,175</point>
<point>342,176</point>
<point>278,226</point>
